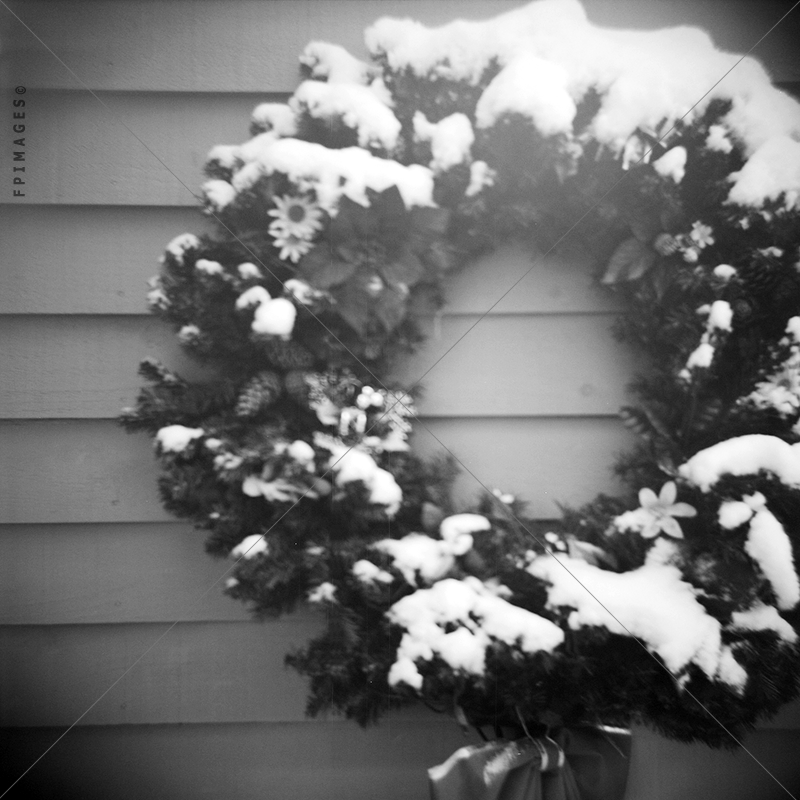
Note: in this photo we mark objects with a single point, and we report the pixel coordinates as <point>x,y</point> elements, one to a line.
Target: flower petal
<point>671,528</point>
<point>647,498</point>
<point>668,493</point>
<point>252,486</point>
<point>682,510</point>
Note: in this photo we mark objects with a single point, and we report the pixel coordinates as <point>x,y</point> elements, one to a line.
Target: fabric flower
<point>369,397</point>
<point>656,513</point>
<point>228,461</point>
<point>781,391</point>
<point>691,255</point>
<point>701,235</point>
<point>295,216</point>
<point>291,246</point>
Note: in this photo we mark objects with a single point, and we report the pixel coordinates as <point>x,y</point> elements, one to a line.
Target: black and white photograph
<point>400,400</point>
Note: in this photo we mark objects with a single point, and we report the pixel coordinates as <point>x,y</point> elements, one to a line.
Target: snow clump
<point>176,438</point>
<point>651,603</point>
<point>476,617</point>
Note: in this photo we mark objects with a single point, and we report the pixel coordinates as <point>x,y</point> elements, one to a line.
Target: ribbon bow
<point>525,769</point>
<point>586,763</point>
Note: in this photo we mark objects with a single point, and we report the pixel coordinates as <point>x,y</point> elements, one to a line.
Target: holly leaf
<point>342,227</point>
<point>426,226</point>
<point>335,273</point>
<point>474,563</point>
<point>323,270</point>
<point>440,256</point>
<point>671,217</point>
<point>424,301</point>
<point>390,308</point>
<point>585,551</point>
<point>354,306</point>
<point>353,221</point>
<point>644,222</point>
<point>661,281</point>
<point>407,269</point>
<point>392,217</point>
<point>629,262</point>
<point>433,221</point>
<point>313,262</point>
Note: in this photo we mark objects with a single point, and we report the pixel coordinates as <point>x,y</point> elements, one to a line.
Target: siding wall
<point>99,587</point>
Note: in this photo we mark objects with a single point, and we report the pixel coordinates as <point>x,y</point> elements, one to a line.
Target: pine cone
<point>665,244</point>
<point>760,279</point>
<point>258,393</point>
<point>296,387</point>
<point>287,355</point>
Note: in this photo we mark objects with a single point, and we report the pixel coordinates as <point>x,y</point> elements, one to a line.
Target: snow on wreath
<point>339,222</point>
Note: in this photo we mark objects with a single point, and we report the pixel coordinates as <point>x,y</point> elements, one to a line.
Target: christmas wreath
<point>338,223</point>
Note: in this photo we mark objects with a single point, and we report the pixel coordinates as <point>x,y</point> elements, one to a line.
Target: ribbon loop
<point>503,770</point>
<point>535,768</point>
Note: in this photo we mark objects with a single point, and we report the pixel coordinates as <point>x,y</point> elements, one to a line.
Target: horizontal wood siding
<point>61,574</point>
<point>198,672</point>
<point>85,259</point>
<point>339,761</point>
<point>234,761</point>
<point>253,45</point>
<point>93,571</point>
<point>86,367</point>
<point>125,148</point>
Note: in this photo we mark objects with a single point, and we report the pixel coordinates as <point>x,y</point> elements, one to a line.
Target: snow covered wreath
<point>338,224</point>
